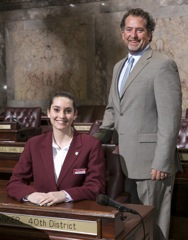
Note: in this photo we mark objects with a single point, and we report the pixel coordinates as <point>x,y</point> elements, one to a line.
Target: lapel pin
<point>76,153</point>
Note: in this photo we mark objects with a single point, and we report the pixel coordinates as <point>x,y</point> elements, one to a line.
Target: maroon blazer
<point>36,165</point>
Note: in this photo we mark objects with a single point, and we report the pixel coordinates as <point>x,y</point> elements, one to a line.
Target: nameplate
<point>49,223</point>
<point>82,128</point>
<point>5,126</point>
<point>183,156</point>
<point>9,126</point>
<point>11,149</point>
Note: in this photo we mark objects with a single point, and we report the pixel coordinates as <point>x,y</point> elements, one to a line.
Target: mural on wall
<point>3,86</point>
<point>171,37</point>
<point>49,57</point>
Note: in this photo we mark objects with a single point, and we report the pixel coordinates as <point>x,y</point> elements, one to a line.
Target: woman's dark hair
<point>63,94</point>
<point>138,12</point>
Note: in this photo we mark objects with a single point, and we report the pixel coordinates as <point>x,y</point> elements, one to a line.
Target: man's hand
<point>158,175</point>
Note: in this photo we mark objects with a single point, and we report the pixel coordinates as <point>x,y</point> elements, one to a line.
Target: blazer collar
<point>47,157</point>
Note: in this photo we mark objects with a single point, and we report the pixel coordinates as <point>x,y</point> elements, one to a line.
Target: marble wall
<point>43,50</point>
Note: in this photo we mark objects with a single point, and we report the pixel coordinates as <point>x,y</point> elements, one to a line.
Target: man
<point>145,113</point>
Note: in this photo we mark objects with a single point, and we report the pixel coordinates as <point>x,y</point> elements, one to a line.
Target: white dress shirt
<point>136,58</point>
<point>59,155</point>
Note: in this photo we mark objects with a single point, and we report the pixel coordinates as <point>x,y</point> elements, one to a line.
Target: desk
<point>19,135</point>
<point>9,156</point>
<point>107,219</point>
<point>13,131</point>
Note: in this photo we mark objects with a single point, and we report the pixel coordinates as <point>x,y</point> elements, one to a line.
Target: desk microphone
<point>104,200</point>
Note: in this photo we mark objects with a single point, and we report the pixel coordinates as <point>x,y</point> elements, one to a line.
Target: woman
<point>59,166</point>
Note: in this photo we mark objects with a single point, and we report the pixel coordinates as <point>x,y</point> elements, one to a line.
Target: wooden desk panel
<point>19,135</point>
<point>9,156</point>
<point>110,226</point>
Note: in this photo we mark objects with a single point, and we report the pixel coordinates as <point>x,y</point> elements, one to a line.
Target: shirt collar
<point>54,144</point>
<point>138,55</point>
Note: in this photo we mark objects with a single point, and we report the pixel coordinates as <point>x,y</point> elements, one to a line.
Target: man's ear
<point>150,35</point>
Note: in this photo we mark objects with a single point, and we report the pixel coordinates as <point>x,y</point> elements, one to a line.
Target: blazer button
<point>121,114</point>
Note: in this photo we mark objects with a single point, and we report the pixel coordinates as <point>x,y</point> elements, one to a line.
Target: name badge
<point>80,171</point>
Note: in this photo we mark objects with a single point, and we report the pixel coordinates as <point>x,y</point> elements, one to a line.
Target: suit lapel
<point>72,155</point>
<point>142,62</point>
<point>116,80</point>
<point>47,158</point>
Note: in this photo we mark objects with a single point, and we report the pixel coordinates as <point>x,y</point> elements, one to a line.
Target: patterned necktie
<point>127,72</point>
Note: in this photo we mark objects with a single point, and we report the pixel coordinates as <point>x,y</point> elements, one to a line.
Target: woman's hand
<point>35,197</point>
<point>47,199</point>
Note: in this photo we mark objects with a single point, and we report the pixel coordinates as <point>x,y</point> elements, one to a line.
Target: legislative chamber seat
<point>25,116</point>
<point>24,122</point>
<point>87,115</point>
<point>115,178</point>
<point>182,141</point>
